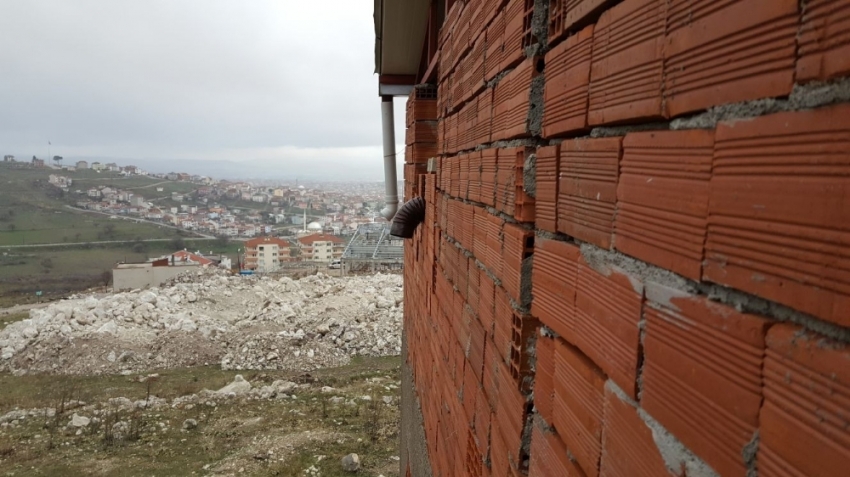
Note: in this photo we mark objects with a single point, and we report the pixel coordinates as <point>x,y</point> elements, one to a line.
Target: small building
<point>265,254</point>
<point>131,276</point>
<point>82,165</point>
<point>321,247</point>
<point>97,166</point>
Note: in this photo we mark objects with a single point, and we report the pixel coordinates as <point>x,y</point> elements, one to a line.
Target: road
<point>149,185</point>
<point>77,244</point>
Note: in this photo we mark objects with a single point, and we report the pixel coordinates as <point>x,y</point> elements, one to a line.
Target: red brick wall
<point>620,274</point>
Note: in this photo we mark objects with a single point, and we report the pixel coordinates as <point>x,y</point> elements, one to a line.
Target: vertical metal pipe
<point>390,177</point>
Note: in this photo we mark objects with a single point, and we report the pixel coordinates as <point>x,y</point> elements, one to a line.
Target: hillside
<point>34,212</point>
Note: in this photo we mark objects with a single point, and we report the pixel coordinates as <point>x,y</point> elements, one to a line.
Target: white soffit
<point>400,28</point>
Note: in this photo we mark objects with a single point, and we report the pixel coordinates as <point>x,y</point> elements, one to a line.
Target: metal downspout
<point>390,177</point>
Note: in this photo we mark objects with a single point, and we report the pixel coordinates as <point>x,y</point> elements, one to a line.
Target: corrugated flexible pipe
<point>390,177</point>
<point>411,214</point>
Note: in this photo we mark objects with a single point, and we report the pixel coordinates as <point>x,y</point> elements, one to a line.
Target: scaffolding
<point>373,248</point>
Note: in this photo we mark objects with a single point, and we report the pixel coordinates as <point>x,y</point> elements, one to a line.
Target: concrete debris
<point>208,317</point>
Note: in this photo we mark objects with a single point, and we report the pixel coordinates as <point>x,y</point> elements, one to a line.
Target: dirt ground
<point>169,426</point>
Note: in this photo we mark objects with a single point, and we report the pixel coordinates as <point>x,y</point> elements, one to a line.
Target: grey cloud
<point>191,79</point>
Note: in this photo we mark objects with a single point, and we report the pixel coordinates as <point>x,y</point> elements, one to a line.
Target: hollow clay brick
<point>626,74</point>
<point>579,391</point>
<point>702,374</point>
<point>824,40</point>
<point>662,198</point>
<point>608,313</point>
<point>778,223</point>
<point>628,448</point>
<point>546,203</point>
<point>587,188</point>
<point>566,85</point>
<point>549,456</point>
<point>728,51</point>
<point>806,409</point>
<point>554,282</point>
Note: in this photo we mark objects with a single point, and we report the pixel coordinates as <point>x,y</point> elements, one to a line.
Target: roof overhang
<point>400,30</point>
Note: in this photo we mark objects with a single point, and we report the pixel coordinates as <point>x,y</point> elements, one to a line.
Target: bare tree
<point>106,277</point>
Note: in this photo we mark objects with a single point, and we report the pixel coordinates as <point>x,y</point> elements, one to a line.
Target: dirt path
<point>149,185</point>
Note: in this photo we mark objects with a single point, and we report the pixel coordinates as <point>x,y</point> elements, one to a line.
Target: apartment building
<point>265,254</point>
<point>321,247</point>
<point>634,212</point>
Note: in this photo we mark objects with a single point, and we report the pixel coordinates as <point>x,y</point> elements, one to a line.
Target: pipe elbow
<point>411,214</point>
<point>389,211</point>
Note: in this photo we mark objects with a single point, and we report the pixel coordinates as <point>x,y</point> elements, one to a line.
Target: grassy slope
<point>229,436</point>
<point>23,271</point>
<point>32,212</point>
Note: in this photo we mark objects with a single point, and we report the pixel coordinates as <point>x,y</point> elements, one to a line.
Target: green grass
<point>58,271</point>
<point>230,436</point>
<point>43,226</point>
<point>34,212</point>
<point>12,318</point>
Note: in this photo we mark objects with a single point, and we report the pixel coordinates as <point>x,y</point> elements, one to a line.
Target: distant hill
<point>32,211</point>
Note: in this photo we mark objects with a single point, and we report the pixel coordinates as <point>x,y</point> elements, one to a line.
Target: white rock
<point>284,386</point>
<point>147,297</point>
<point>120,430</point>
<point>79,421</point>
<point>351,463</point>
<point>109,327</point>
<point>238,386</point>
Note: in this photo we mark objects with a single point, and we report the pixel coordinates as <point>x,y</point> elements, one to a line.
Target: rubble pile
<point>209,317</point>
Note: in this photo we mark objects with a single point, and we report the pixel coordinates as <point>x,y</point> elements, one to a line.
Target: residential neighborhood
<point>279,223</point>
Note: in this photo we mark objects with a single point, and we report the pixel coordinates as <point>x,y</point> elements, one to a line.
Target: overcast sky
<point>257,88</point>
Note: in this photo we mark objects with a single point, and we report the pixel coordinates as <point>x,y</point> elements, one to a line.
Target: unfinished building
<point>635,259</point>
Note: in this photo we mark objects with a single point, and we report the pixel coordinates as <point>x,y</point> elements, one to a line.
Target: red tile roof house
<point>321,247</point>
<point>265,254</point>
<point>184,256</point>
<point>576,303</point>
<point>128,276</point>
